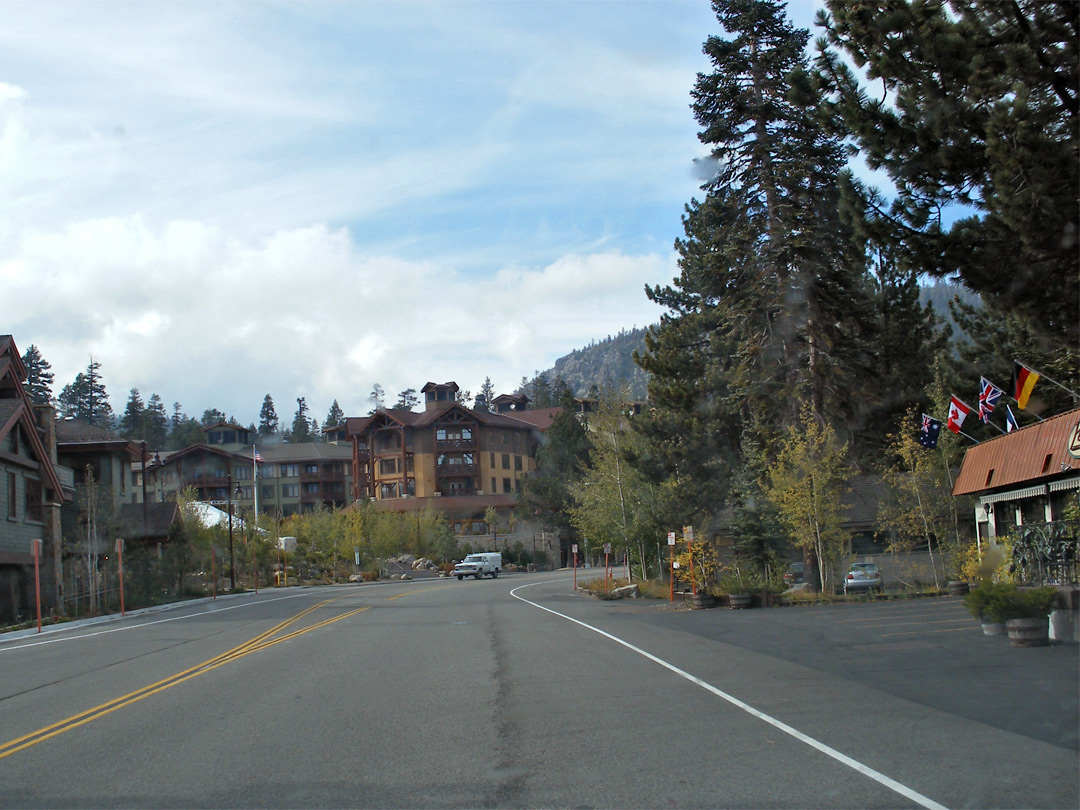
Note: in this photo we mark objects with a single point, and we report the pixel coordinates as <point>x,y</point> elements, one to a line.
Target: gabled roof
<point>75,434</point>
<point>540,419</point>
<point>147,521</point>
<point>304,451</point>
<point>20,411</point>
<point>1036,454</point>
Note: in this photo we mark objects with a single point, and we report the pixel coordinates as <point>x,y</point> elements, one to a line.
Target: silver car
<point>862,577</point>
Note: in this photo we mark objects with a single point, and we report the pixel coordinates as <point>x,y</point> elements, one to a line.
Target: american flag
<point>258,458</point>
<point>989,394</point>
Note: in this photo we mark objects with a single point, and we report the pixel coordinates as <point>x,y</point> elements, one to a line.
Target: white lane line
<point>855,765</point>
<point>59,628</point>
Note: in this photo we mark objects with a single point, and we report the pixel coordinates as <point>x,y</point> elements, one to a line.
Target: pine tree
<point>301,426</point>
<point>212,416</point>
<point>980,115</point>
<point>131,423</point>
<point>86,398</point>
<point>39,376</point>
<point>155,423</point>
<point>407,400</point>
<point>268,419</point>
<point>773,304</point>
<point>486,395</point>
<point>377,398</point>
<point>546,496</point>
<point>334,417</point>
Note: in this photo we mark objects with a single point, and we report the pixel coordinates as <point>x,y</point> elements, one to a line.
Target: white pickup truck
<point>477,565</point>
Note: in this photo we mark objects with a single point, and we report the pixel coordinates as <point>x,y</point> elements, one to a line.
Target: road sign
<point>688,532</point>
<point>607,548</point>
<point>671,538</point>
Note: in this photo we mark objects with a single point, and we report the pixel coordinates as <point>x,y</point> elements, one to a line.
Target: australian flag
<point>928,433</point>
<point>989,394</point>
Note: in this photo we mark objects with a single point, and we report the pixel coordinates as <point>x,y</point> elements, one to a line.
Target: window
<point>34,511</point>
<point>242,473</point>
<point>388,466</point>
<point>311,469</point>
<point>506,486</point>
<point>12,495</point>
<point>492,461</point>
<point>267,492</point>
<point>506,461</point>
<point>245,493</point>
<point>493,488</point>
<point>517,462</point>
<point>290,470</point>
<point>311,489</point>
<point>290,490</point>
<point>440,435</point>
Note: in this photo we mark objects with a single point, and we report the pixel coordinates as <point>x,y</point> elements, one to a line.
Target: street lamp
<point>232,567</point>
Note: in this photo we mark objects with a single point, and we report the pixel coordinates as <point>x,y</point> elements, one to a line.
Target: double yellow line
<point>260,642</point>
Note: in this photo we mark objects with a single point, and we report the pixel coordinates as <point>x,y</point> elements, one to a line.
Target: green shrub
<point>1001,601</point>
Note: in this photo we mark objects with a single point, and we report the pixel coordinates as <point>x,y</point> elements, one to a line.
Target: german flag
<point>1024,380</point>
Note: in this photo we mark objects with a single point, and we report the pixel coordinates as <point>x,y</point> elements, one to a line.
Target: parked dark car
<point>795,574</point>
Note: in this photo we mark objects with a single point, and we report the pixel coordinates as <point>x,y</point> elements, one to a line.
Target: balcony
<point>456,470</point>
<point>443,445</point>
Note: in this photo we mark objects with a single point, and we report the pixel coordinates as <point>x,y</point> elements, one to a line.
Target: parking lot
<point>928,650</point>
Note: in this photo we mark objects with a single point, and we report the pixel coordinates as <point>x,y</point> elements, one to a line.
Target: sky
<point>217,201</point>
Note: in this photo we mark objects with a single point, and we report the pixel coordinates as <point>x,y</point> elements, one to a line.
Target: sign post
<point>573,548</point>
<point>120,569</point>
<point>671,571</point>
<point>35,549</point>
<point>688,533</point>
<point>607,566</point>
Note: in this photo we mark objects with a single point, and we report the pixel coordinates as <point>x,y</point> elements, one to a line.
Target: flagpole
<point>255,485</point>
<point>960,432</point>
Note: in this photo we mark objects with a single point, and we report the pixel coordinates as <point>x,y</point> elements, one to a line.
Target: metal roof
<point>1035,456</point>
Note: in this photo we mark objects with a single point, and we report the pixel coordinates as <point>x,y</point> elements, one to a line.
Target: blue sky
<point>230,199</point>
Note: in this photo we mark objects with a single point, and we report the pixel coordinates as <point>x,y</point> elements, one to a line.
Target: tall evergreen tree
<point>85,398</point>
<point>334,417</point>
<point>155,423</point>
<point>487,390</point>
<point>547,494</point>
<point>377,397</point>
<point>407,400</point>
<point>212,416</point>
<point>131,422</point>
<point>301,425</point>
<point>39,376</point>
<point>773,304</point>
<point>268,419</point>
<point>980,115</point>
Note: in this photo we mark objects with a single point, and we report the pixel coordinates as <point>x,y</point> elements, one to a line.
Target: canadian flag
<point>958,412</point>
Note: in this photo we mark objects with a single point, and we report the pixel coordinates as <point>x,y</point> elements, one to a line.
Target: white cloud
<point>185,313</point>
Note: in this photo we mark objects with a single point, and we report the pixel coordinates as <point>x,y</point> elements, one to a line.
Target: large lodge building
<point>457,460</point>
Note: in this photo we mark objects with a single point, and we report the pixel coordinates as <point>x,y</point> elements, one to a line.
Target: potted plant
<point>1023,611</point>
<point>979,599</point>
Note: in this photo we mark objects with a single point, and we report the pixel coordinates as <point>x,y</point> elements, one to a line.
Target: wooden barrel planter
<point>1029,632</point>
<point>703,600</point>
<point>993,628</point>
<point>740,600</point>
<point>958,589</point>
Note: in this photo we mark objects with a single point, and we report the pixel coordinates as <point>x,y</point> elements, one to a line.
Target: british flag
<point>989,394</point>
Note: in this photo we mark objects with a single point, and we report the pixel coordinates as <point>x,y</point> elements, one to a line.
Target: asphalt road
<point>517,692</point>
